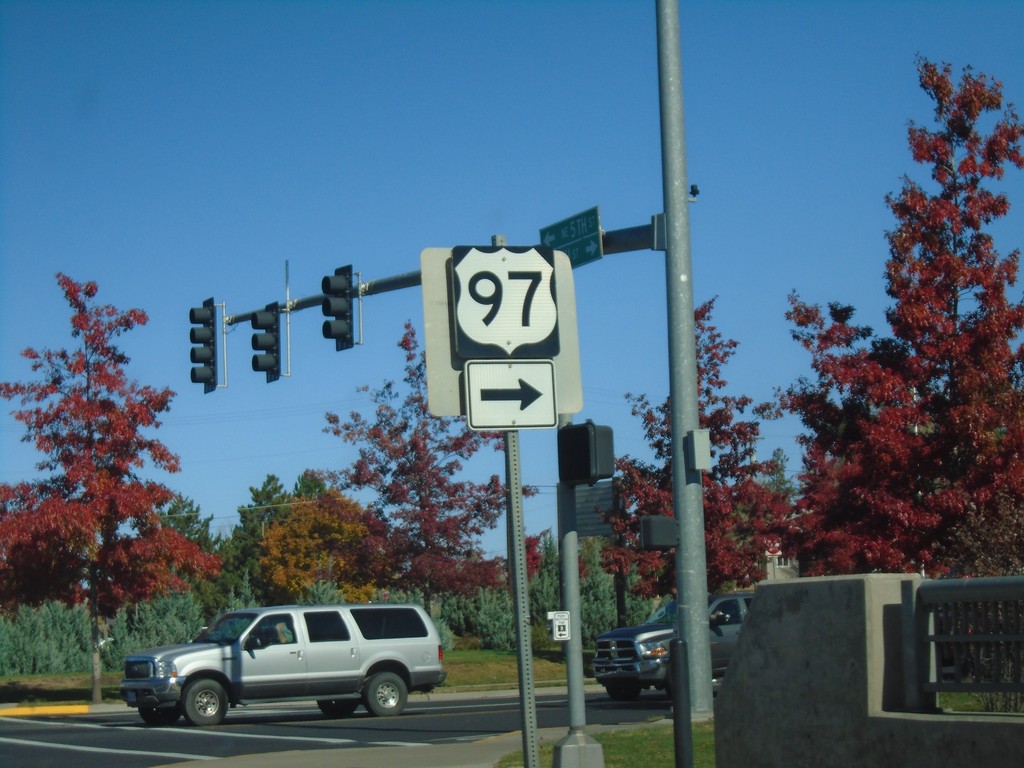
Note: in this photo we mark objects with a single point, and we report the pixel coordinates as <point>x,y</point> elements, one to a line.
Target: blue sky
<point>173,151</point>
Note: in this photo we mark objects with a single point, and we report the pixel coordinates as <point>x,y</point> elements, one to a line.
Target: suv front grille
<point>137,670</point>
<point>616,651</point>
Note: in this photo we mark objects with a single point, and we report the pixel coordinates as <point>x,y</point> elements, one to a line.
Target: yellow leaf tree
<point>331,539</point>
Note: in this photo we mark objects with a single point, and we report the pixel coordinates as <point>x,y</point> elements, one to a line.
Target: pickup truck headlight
<point>653,650</point>
<point>164,669</point>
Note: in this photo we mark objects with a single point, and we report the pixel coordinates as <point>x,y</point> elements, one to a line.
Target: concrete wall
<point>817,681</point>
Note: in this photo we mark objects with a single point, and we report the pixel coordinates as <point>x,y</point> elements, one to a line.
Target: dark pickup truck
<point>629,659</point>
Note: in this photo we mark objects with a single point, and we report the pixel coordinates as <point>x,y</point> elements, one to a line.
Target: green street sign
<point>579,237</point>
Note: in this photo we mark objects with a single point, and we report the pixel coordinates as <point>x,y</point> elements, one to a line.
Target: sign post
<point>502,350</point>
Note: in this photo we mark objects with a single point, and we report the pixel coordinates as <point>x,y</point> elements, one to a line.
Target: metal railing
<point>963,635</point>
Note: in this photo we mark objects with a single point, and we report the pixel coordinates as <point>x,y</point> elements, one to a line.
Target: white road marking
<point>106,750</point>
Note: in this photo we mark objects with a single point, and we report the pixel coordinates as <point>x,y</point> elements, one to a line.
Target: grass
<point>637,748</point>
<point>480,670</point>
<point>57,689</point>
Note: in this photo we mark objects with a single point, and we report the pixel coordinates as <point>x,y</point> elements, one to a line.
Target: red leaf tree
<point>742,511</point>
<point>913,441</point>
<point>412,461</point>
<point>90,530</point>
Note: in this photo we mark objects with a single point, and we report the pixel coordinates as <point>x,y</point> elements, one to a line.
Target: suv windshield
<point>663,614</point>
<point>666,612</point>
<point>227,629</point>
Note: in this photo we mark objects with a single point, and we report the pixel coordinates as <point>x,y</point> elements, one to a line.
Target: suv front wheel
<point>385,694</point>
<point>163,716</point>
<point>205,702</point>
<point>623,691</point>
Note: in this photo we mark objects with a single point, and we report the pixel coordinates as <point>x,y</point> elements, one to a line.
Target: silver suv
<point>341,656</point>
<point>629,659</point>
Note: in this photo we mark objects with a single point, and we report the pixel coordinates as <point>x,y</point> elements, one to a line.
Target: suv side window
<point>325,626</point>
<point>730,611</point>
<point>275,629</point>
<point>389,623</point>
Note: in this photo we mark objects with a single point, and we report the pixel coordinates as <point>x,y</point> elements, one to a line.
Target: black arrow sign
<point>525,394</point>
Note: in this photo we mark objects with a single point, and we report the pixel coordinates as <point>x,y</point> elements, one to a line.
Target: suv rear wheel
<point>385,694</point>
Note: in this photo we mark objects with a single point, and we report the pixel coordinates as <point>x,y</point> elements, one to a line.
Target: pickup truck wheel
<point>385,694</point>
<point>205,702</point>
<point>338,707</point>
<point>156,716</point>
<point>623,691</point>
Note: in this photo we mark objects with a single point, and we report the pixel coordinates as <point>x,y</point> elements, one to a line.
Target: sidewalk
<point>483,753</point>
<point>476,754</point>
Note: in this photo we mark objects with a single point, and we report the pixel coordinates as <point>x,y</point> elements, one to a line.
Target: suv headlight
<point>164,669</point>
<point>653,650</point>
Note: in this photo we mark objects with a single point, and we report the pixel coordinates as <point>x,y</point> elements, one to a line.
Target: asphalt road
<point>116,735</point>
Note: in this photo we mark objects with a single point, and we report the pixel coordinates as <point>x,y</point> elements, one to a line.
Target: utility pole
<point>577,749</point>
<point>687,492</point>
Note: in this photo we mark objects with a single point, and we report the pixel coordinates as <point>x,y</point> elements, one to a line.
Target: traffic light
<point>585,453</point>
<point>205,335</point>
<point>338,300</point>
<point>267,341</point>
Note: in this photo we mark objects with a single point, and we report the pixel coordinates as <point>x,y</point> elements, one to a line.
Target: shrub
<point>47,639</point>
<point>495,622</point>
<point>459,612</point>
<point>165,620</point>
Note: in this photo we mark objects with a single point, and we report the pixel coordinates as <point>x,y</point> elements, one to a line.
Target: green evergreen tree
<point>459,613</point>
<point>183,515</point>
<point>309,485</point>
<point>47,639</point>
<point>323,593</point>
<point>495,622</point>
<point>169,619</point>
<point>545,586</point>
<point>241,552</point>
<point>597,592</point>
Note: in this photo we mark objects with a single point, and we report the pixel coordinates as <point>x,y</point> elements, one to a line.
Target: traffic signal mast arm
<point>645,237</point>
<point>642,238</point>
<point>371,288</point>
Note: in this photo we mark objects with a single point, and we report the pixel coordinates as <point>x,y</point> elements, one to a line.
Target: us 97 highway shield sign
<point>505,304</point>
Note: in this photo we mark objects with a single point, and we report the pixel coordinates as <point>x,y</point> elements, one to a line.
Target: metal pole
<point>569,552</point>
<point>679,660</point>
<point>687,496</point>
<point>520,595</point>
<point>223,341</point>
<point>287,319</point>
<point>520,589</point>
<point>578,749</point>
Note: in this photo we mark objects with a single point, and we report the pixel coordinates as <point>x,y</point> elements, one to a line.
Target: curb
<point>45,709</point>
